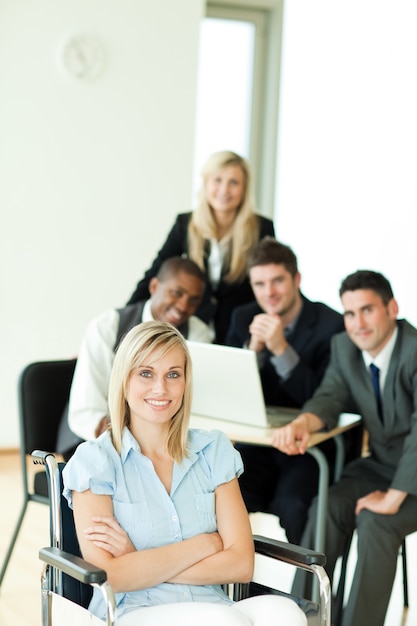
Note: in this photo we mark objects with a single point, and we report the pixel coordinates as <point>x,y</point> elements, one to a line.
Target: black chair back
<point>72,589</point>
<point>43,392</point>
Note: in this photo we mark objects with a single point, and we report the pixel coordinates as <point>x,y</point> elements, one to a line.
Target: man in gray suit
<point>377,494</point>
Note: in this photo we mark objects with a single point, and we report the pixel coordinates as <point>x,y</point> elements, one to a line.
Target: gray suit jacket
<point>347,386</point>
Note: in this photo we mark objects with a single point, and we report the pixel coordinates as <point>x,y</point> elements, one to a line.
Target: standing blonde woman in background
<point>217,235</point>
<point>157,505</point>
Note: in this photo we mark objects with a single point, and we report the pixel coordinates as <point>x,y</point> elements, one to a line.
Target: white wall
<point>347,162</point>
<point>91,174</point>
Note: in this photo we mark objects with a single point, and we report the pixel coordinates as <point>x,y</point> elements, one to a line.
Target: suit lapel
<point>304,327</point>
<point>388,399</point>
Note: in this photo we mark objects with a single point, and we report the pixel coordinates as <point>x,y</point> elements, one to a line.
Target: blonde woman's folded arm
<point>137,569</point>
<point>235,562</point>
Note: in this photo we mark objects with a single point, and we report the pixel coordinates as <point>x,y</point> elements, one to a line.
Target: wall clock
<point>83,57</point>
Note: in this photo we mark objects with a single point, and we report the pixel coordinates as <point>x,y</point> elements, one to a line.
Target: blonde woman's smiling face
<point>225,189</point>
<point>156,388</point>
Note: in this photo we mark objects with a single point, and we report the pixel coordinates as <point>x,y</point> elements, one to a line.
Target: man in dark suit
<point>373,367</point>
<point>291,336</point>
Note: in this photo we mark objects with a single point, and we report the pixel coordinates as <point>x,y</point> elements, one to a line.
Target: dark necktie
<point>377,389</point>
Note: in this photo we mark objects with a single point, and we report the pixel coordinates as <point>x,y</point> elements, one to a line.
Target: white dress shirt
<point>217,257</point>
<point>382,359</point>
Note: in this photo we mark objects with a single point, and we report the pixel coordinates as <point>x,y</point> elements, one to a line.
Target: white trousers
<point>266,610</point>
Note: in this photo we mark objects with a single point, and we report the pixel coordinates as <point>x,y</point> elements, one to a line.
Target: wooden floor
<point>20,593</point>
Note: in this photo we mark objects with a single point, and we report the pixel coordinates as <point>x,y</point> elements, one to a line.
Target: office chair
<point>65,573</point>
<point>43,391</point>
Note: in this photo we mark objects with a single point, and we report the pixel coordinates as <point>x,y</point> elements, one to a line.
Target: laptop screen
<point>227,386</point>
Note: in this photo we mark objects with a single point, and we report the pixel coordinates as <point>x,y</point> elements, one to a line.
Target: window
<point>237,103</point>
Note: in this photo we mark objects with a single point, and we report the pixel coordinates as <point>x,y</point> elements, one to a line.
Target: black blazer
<point>310,338</point>
<point>216,306</point>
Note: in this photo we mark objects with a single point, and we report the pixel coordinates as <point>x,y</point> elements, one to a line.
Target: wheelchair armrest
<point>40,456</point>
<point>288,552</point>
<point>74,566</point>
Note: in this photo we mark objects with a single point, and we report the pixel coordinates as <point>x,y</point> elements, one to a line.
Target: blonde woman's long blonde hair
<point>140,342</point>
<point>203,227</point>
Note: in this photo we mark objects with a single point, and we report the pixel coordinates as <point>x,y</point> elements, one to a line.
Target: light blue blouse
<point>145,510</point>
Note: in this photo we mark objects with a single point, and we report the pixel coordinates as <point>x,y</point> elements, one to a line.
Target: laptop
<point>227,387</point>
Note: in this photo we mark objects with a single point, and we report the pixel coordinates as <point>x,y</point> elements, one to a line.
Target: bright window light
<point>224,92</point>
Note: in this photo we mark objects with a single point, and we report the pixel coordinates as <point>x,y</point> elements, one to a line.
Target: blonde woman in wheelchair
<point>157,505</point>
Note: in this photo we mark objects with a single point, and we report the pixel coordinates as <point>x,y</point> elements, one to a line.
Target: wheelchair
<point>67,580</point>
